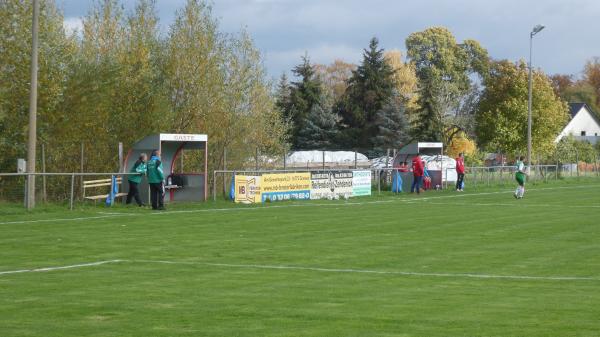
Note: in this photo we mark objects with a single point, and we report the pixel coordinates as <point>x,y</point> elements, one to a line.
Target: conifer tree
<point>320,129</point>
<point>392,126</point>
<point>370,87</point>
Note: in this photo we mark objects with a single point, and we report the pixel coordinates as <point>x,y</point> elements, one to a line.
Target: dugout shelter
<point>186,176</point>
<point>431,149</point>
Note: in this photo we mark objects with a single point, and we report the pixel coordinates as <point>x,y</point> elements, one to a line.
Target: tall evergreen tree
<point>320,128</point>
<point>370,87</point>
<point>429,116</point>
<point>304,95</point>
<point>392,126</point>
<point>283,94</point>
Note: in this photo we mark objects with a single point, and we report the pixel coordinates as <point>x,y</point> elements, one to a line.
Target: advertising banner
<point>343,183</point>
<point>331,185</point>
<point>321,185</point>
<point>361,183</point>
<point>247,189</point>
<point>285,186</point>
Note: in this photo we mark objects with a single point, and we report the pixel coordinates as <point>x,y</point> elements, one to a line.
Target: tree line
<point>445,91</point>
<point>121,77</point>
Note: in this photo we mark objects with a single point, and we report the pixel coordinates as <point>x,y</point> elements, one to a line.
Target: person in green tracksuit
<point>156,179</point>
<point>135,179</point>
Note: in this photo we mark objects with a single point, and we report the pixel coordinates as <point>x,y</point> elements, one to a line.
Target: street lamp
<point>536,29</point>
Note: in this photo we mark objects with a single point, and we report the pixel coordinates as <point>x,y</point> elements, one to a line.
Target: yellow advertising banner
<point>285,186</point>
<point>247,189</point>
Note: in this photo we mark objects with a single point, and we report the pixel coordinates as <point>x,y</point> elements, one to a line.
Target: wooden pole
<point>44,195</point>
<point>224,169</point>
<point>32,131</point>
<point>72,189</point>
<point>81,167</point>
<point>206,172</point>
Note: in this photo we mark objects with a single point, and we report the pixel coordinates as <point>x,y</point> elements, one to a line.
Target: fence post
<point>44,195</point>
<point>577,162</point>
<point>25,191</point>
<point>256,158</point>
<point>284,159</point>
<point>215,186</point>
<point>224,180</point>
<point>355,159</point>
<point>323,159</point>
<point>387,158</point>
<point>378,182</point>
<point>81,168</point>
<point>73,189</point>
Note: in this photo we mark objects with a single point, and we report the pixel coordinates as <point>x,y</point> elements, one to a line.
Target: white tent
<point>442,163</point>
<point>330,158</point>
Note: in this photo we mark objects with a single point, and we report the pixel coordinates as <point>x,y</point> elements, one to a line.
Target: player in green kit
<point>520,177</point>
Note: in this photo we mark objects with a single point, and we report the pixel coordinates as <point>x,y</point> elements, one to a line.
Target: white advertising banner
<point>331,185</point>
<point>361,183</point>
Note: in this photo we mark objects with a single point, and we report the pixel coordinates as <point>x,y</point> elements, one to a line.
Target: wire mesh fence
<point>77,189</point>
<point>384,179</point>
<point>68,189</point>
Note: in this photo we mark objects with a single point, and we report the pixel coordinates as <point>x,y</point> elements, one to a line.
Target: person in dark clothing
<point>135,179</point>
<point>156,179</point>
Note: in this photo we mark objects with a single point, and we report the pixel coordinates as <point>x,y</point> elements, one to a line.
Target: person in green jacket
<point>135,179</point>
<point>156,179</point>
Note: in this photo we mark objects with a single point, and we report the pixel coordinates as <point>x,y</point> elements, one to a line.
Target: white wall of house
<point>582,122</point>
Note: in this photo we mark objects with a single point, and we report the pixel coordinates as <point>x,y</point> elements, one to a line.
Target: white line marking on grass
<point>516,203</point>
<point>333,204</point>
<point>67,219</point>
<point>377,272</point>
<point>302,268</point>
<point>46,269</point>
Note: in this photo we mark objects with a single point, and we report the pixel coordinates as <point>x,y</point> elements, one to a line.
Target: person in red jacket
<point>460,172</point>
<point>417,168</point>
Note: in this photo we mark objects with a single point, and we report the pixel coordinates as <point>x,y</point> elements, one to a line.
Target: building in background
<point>584,125</point>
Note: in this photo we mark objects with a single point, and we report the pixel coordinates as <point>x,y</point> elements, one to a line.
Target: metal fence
<point>381,178</point>
<point>69,189</point>
<point>74,189</point>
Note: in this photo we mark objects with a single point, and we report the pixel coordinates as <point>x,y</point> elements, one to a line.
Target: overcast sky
<point>328,29</point>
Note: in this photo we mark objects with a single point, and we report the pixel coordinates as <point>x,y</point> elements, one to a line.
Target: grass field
<point>441,264</point>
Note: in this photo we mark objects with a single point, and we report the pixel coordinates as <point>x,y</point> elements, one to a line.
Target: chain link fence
<point>68,189</point>
<point>74,189</point>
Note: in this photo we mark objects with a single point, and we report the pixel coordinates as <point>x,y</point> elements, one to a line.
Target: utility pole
<point>32,140</point>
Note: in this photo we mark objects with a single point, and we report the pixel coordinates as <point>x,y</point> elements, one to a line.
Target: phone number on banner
<point>282,196</point>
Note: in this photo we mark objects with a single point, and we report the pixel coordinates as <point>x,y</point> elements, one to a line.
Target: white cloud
<point>285,60</point>
<point>73,24</point>
<point>327,29</point>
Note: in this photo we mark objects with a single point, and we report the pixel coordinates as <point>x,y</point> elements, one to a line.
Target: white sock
<point>522,191</point>
<point>517,191</point>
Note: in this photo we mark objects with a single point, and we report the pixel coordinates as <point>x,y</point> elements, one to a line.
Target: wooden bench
<point>101,183</point>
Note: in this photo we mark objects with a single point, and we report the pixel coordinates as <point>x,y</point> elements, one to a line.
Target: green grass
<point>554,231</point>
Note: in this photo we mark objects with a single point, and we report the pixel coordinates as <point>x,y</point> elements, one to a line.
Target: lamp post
<point>536,29</point>
<point>31,143</point>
